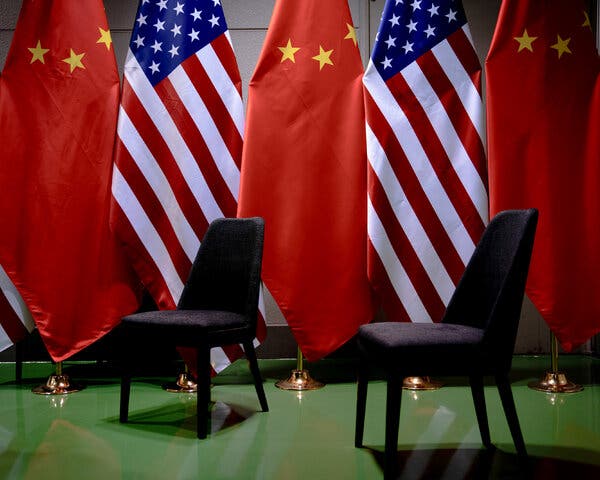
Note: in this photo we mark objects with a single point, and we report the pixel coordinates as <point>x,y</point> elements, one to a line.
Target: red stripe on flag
<point>384,289</point>
<point>195,142</point>
<point>216,108</point>
<point>464,50</point>
<point>436,155</point>
<point>233,351</point>
<point>454,107</point>
<point>404,250</point>
<point>144,265</point>
<point>224,51</point>
<point>414,191</point>
<point>154,210</point>
<point>154,141</point>
<point>10,321</point>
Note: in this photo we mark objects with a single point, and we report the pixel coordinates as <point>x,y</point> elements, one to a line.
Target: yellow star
<point>323,57</point>
<point>587,22</point>
<point>74,60</point>
<point>561,46</point>
<point>525,41</point>
<point>105,38</point>
<point>351,33</point>
<point>288,52</point>
<point>38,53</point>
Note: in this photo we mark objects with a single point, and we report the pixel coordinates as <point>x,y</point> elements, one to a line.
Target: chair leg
<point>125,391</point>
<point>392,423</point>
<point>203,395</point>
<point>476,382</point>
<point>361,402</point>
<point>258,383</point>
<point>508,402</point>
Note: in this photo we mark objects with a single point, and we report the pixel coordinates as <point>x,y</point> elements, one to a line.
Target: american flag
<point>179,145</point>
<point>427,192</point>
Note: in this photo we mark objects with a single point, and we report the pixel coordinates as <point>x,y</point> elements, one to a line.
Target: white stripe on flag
<point>208,129</point>
<point>155,177</point>
<point>398,277</point>
<point>227,91</point>
<point>444,128</point>
<point>147,233</point>
<point>164,123</point>
<point>407,218</point>
<point>419,161</point>
<point>463,85</point>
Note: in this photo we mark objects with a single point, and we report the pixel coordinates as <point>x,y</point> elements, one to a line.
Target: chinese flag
<point>543,100</point>
<point>304,169</point>
<point>58,110</point>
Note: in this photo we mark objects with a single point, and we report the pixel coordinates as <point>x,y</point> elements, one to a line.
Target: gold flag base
<point>555,382</point>
<point>420,383</point>
<point>183,384</point>
<point>299,380</point>
<point>57,385</point>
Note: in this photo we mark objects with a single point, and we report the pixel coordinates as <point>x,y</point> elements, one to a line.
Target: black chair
<point>476,336</point>
<point>218,306</point>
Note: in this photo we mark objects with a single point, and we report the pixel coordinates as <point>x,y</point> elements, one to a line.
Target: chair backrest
<point>490,292</point>
<point>226,272</point>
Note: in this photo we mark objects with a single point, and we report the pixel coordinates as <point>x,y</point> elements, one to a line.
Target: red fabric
<point>304,171</point>
<point>58,123</point>
<point>544,152</point>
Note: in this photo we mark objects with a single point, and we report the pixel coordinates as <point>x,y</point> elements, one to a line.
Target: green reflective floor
<point>308,436</point>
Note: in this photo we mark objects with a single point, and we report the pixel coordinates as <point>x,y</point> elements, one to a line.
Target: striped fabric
<point>427,192</point>
<point>16,321</point>
<point>179,146</point>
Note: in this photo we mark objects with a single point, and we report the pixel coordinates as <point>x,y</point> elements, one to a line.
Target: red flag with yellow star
<point>304,171</point>
<point>543,100</point>
<point>58,110</point>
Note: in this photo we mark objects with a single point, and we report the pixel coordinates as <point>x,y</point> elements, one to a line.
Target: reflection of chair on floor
<point>218,307</point>
<point>475,338</point>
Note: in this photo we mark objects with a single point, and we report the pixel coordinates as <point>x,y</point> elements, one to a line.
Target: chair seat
<point>390,342</point>
<point>183,326</point>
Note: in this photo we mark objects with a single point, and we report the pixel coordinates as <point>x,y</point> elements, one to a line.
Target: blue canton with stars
<point>166,32</point>
<point>409,28</point>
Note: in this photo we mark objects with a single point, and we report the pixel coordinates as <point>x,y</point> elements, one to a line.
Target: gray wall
<point>248,21</point>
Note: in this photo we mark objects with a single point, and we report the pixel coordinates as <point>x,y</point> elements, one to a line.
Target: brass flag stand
<point>57,384</point>
<point>299,379</point>
<point>555,381</point>
<point>183,384</point>
<point>420,383</point>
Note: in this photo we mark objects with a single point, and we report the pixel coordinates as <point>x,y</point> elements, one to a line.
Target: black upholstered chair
<point>475,338</point>
<point>218,306</point>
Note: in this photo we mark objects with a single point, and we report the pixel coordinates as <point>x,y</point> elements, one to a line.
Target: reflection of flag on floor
<point>15,319</point>
<point>304,172</point>
<point>427,200</point>
<point>543,98</point>
<point>59,96</point>
<point>179,143</point>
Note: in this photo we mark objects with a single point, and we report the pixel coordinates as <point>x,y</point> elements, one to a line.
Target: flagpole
<point>555,381</point>
<point>57,384</point>
<point>299,379</point>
